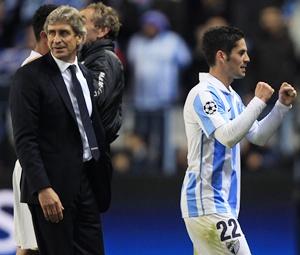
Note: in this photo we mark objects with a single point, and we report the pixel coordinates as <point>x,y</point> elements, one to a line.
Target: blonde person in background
<point>98,55</point>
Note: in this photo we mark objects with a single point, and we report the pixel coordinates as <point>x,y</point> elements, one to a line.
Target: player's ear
<point>43,35</point>
<point>221,56</point>
<point>80,39</point>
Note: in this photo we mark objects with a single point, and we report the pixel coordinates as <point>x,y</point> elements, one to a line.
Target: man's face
<point>237,61</point>
<point>92,31</point>
<point>150,30</point>
<point>63,42</point>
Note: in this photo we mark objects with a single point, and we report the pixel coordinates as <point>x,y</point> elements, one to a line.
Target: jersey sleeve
<point>210,111</point>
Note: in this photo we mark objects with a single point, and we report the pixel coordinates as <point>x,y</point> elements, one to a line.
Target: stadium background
<point>145,217</point>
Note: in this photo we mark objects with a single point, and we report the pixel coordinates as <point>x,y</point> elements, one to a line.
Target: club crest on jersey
<point>233,246</point>
<point>210,107</point>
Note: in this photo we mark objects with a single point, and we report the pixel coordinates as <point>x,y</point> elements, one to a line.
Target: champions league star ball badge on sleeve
<point>210,107</point>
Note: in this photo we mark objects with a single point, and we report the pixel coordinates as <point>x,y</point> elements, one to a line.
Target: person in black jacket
<point>103,25</point>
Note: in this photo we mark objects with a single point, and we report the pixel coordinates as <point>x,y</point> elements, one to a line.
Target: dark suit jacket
<point>47,137</point>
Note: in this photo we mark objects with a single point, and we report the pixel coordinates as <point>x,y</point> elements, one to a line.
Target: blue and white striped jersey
<point>212,180</point>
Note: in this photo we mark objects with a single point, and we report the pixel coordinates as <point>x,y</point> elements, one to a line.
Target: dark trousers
<point>79,233</point>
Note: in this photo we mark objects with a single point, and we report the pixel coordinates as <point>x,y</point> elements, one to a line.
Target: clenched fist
<point>263,91</point>
<point>287,93</point>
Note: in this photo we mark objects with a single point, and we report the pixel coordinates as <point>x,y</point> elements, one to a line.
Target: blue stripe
<point>221,105</point>
<point>201,182</point>
<point>215,94</point>
<point>191,196</point>
<point>241,106</point>
<point>232,198</point>
<point>218,162</point>
<point>229,100</point>
<point>207,123</point>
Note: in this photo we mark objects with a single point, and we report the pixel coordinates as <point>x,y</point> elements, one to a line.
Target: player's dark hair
<point>222,38</point>
<point>40,17</point>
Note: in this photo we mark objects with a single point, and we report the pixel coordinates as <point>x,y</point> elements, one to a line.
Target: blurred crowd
<point>160,47</point>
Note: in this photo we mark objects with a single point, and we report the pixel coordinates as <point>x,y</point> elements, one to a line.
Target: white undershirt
<point>233,131</point>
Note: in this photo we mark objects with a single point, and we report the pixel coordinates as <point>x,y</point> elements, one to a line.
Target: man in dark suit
<point>60,143</point>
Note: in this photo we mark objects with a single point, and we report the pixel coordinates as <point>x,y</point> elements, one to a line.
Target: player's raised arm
<point>262,130</point>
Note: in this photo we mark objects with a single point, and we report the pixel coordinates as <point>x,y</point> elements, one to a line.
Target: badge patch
<point>210,107</point>
<point>233,246</point>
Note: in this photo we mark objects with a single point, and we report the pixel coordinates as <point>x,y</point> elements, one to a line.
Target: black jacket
<point>107,69</point>
<point>47,137</point>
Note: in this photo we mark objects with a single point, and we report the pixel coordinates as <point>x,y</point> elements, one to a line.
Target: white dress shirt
<point>66,74</point>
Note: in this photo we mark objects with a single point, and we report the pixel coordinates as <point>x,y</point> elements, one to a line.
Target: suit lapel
<point>58,81</point>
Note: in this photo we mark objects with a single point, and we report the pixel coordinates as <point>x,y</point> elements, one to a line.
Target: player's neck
<point>41,48</point>
<point>221,76</point>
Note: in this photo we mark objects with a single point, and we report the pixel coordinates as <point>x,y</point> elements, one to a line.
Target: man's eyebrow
<point>59,31</point>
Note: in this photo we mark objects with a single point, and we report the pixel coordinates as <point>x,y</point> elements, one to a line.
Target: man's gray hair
<point>69,15</point>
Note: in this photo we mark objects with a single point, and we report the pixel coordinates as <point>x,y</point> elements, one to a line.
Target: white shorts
<point>23,227</point>
<point>216,234</point>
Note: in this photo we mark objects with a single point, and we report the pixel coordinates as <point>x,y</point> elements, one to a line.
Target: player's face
<point>237,61</point>
<point>63,42</point>
<point>92,31</point>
